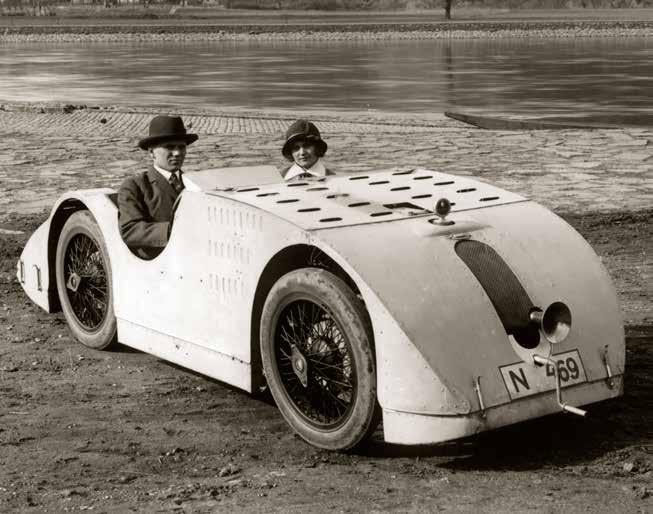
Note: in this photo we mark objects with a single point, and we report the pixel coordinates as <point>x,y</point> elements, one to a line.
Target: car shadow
<point>558,439</point>
<point>121,348</point>
<point>554,440</point>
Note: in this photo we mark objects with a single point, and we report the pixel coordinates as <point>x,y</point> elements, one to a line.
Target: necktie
<point>176,183</point>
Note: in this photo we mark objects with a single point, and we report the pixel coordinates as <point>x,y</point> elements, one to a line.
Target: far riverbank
<point>193,24</point>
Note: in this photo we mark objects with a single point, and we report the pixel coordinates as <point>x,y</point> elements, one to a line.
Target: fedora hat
<point>166,128</point>
<point>306,131</point>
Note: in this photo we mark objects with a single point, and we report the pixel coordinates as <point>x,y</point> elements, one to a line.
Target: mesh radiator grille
<point>506,293</point>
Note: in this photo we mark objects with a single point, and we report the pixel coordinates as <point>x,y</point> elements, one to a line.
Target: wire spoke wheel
<point>307,329</point>
<point>86,281</point>
<point>83,273</point>
<point>317,356</point>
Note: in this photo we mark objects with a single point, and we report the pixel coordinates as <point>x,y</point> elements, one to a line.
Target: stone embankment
<point>339,32</point>
<point>47,152</point>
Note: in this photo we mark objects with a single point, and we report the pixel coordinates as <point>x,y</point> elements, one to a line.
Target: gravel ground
<point>222,35</point>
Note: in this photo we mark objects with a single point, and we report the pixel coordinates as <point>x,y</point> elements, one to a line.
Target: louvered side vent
<point>506,293</point>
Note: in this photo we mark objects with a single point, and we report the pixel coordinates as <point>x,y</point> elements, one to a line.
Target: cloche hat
<point>305,130</point>
<point>166,128</point>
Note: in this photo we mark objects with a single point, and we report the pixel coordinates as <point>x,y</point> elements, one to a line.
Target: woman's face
<point>304,153</point>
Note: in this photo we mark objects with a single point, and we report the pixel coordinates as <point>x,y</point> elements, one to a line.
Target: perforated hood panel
<point>344,200</point>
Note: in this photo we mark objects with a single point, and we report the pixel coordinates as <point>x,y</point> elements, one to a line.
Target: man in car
<point>304,147</point>
<point>146,200</point>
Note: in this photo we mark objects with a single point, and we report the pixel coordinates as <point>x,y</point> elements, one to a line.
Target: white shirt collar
<point>188,184</point>
<point>166,174</point>
<point>317,170</point>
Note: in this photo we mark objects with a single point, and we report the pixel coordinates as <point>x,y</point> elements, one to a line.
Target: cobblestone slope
<point>566,170</point>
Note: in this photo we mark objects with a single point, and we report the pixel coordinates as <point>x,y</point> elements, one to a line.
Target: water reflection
<point>601,77</point>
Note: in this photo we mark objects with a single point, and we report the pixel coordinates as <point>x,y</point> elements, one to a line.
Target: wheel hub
<point>74,282</point>
<point>300,366</point>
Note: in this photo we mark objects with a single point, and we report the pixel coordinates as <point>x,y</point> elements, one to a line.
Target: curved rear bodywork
<point>443,298</point>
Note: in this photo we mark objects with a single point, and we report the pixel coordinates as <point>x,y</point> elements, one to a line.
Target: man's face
<point>169,155</point>
<point>304,154</point>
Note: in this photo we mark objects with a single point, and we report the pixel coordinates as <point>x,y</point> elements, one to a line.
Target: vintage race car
<point>438,304</point>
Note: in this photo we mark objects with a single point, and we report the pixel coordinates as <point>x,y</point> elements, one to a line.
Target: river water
<point>595,78</point>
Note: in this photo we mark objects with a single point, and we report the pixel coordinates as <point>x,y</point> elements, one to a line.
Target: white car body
<point>446,367</point>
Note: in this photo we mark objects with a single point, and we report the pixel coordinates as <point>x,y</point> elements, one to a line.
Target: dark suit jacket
<point>145,204</point>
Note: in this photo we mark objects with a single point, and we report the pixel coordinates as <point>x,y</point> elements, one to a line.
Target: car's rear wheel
<point>317,355</point>
<point>83,272</point>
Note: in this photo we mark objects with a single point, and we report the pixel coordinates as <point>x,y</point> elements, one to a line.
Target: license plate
<point>523,379</point>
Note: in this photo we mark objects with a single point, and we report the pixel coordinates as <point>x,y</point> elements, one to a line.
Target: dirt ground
<point>123,431</point>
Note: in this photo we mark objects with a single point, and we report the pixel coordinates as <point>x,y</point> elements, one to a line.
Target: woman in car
<point>304,147</point>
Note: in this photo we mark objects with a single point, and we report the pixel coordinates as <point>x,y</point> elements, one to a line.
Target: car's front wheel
<point>317,355</point>
<point>83,272</point>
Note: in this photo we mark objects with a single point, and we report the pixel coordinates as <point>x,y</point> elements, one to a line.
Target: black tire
<point>318,359</point>
<point>83,272</point>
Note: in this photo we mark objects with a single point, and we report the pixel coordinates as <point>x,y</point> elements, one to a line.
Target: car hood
<point>363,198</point>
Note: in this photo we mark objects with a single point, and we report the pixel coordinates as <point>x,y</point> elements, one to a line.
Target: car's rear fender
<point>430,303</point>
